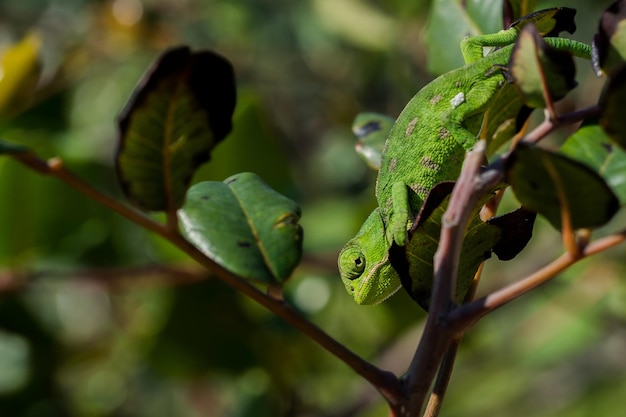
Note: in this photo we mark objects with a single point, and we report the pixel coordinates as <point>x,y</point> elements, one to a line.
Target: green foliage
<point>426,146</point>
<point>540,72</point>
<point>417,278</point>
<point>245,226</point>
<point>551,184</point>
<point>181,110</point>
<point>592,146</point>
<point>89,326</point>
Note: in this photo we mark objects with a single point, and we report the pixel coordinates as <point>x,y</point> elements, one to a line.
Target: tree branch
<point>385,382</point>
<point>468,314</point>
<point>438,334</point>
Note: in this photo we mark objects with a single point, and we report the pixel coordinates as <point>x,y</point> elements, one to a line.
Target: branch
<point>549,125</point>
<point>445,321</point>
<point>438,334</point>
<point>385,382</point>
<point>468,314</point>
<point>443,378</point>
<point>55,168</point>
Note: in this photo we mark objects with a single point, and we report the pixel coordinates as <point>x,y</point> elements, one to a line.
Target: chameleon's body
<point>436,123</point>
<point>425,146</point>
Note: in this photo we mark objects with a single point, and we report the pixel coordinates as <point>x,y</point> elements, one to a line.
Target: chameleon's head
<point>364,264</point>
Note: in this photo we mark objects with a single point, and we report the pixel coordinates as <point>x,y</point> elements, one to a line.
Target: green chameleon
<point>427,145</point>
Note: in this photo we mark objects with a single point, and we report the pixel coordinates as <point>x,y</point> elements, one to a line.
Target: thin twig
<point>468,314</point>
<point>443,378</point>
<point>549,125</point>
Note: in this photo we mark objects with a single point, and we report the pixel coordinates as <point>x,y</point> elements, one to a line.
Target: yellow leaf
<point>19,74</point>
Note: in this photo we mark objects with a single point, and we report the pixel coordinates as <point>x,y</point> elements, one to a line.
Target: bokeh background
<point>99,318</point>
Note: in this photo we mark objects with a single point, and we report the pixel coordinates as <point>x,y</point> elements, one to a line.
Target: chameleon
<point>426,146</point>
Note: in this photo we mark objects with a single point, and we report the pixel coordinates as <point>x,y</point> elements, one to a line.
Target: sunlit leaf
<point>540,71</point>
<point>180,110</point>
<point>245,226</point>
<point>19,75</point>
<point>547,182</point>
<point>592,146</point>
<point>503,119</point>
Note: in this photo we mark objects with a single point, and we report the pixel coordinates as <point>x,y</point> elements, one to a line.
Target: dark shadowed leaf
<point>540,71</point>
<point>516,229</point>
<point>546,182</point>
<point>414,263</point>
<point>612,105</point>
<point>245,226</point>
<point>549,22</point>
<point>514,9</point>
<point>180,110</point>
<point>609,44</point>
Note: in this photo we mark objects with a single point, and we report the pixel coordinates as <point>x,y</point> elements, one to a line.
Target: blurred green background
<point>99,318</point>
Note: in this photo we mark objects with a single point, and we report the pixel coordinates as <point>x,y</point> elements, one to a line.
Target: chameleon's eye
<point>351,263</point>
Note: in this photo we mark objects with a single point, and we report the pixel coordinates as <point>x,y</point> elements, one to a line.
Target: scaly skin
<point>426,145</point>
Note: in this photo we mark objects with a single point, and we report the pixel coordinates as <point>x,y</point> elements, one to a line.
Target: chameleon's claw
<point>401,237</point>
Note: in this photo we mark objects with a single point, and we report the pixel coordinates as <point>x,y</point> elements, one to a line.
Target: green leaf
<point>371,130</point>
<point>544,182</point>
<point>503,119</point>
<point>593,147</point>
<point>414,263</point>
<point>609,44</point>
<point>245,226</point>
<point>180,110</point>
<point>540,71</point>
